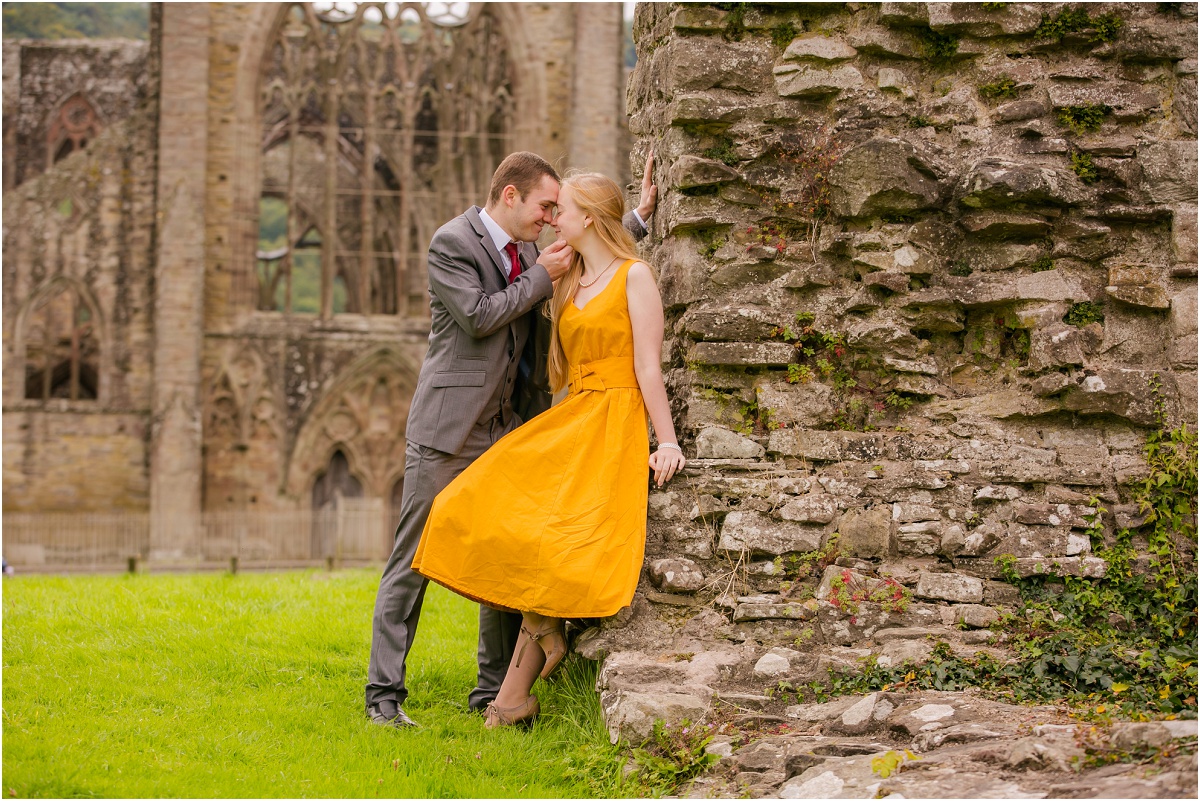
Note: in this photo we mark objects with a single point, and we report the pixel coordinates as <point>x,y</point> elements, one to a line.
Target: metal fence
<point>349,531</point>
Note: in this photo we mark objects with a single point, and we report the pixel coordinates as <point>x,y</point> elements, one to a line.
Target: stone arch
<point>524,101</point>
<point>60,338</point>
<point>240,404</point>
<point>363,414</point>
<point>70,126</point>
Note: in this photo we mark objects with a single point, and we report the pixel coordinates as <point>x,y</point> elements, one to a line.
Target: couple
<point>551,522</point>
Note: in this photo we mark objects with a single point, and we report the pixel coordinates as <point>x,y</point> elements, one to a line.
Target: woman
<point>551,521</point>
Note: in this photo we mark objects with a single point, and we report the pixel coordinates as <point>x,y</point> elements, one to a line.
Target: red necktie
<point>511,249</point>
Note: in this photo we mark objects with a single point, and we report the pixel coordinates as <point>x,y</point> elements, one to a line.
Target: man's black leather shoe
<point>389,713</point>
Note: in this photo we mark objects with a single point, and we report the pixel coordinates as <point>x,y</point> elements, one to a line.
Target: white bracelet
<point>670,445</point>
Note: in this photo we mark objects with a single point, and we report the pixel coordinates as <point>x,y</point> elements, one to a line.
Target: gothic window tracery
<point>74,125</point>
<point>380,122</point>
<point>61,348</point>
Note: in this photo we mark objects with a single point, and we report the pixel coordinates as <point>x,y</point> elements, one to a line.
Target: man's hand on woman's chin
<point>556,258</point>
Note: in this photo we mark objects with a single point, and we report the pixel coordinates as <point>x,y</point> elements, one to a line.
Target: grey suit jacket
<point>479,327</point>
<point>488,340</point>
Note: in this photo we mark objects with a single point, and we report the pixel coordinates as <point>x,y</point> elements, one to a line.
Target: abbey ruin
<point>214,289</point>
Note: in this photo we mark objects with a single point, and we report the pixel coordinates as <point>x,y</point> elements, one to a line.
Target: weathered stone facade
<point>950,388</point>
<point>930,279</point>
<point>171,381</point>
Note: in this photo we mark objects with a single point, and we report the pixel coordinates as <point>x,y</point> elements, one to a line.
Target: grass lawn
<point>252,686</point>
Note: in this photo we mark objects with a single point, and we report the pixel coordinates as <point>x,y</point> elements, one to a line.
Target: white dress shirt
<point>500,238</point>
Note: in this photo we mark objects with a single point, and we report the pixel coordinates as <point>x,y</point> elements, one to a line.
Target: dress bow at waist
<point>602,374</point>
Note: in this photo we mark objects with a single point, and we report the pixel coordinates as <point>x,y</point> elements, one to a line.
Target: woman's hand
<point>666,462</point>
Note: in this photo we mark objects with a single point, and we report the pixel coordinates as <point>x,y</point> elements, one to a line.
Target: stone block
<point>666,506</point>
<point>742,354</point>
<point>1183,235</point>
<point>998,183</point>
<point>630,716</point>
<point>771,666</point>
<point>720,443</point>
<point>953,587</point>
<point>1119,391</point>
<point>814,508</point>
<point>893,282</point>
<point>914,513</point>
<point>774,611</point>
<point>1000,593</point>
<point>699,18</point>
<point>1146,297</point>
<point>883,176</point>
<point>806,405</point>
<point>676,575</point>
<point>726,323</point>
<point>1081,566</point>
<point>975,616</point>
<point>981,22</point>
<point>904,14</point>
<point>1169,171</point>
<point>889,78</point>
<point>1056,345</point>
<point>1182,319</point>
<point>1050,514</point>
<point>759,534</point>
<point>808,82</point>
<point>998,226</point>
<point>881,42</point>
<point>1050,286</point>
<point>690,171</point>
<point>1019,110</point>
<point>826,446</point>
<point>698,64</point>
<point>683,271</point>
<point>1126,99</point>
<point>818,48</point>
<point>866,532</point>
<point>865,716</point>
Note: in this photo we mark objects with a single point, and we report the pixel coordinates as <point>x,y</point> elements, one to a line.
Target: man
<point>485,278</point>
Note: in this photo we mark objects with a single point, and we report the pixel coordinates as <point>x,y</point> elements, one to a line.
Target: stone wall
<point>206,403</point>
<point>84,228</point>
<point>930,275</point>
<point>40,77</point>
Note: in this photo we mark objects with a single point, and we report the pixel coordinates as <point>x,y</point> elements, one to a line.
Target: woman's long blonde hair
<point>600,198</point>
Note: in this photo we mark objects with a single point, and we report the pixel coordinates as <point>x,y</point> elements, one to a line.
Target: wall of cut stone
<point>40,76</point>
<point>84,227</point>
<point>930,273</point>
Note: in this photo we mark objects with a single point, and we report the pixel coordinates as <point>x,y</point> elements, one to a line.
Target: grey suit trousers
<point>402,590</point>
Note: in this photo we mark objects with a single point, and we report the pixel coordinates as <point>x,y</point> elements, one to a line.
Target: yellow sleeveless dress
<point>552,518</point>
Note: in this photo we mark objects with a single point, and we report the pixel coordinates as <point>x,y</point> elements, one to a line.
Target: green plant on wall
<point>783,34</point>
<point>735,21</point>
<point>1083,166</point>
<point>724,151</point>
<point>1002,88</point>
<point>1105,27</point>
<point>937,48</point>
<point>854,377</point>
<point>1123,644</point>
<point>1042,264</point>
<point>1083,119</point>
<point>1083,314</point>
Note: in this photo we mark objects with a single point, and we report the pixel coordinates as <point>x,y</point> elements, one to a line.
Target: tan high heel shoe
<point>554,654</point>
<point>524,714</point>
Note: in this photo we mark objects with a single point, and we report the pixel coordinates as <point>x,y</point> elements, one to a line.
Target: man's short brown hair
<point>524,170</point>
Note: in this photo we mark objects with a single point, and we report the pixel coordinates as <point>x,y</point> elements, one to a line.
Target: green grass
<point>252,686</point>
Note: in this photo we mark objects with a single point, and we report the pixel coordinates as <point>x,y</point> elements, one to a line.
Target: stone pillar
<point>12,109</point>
<point>175,456</point>
<point>599,90</point>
